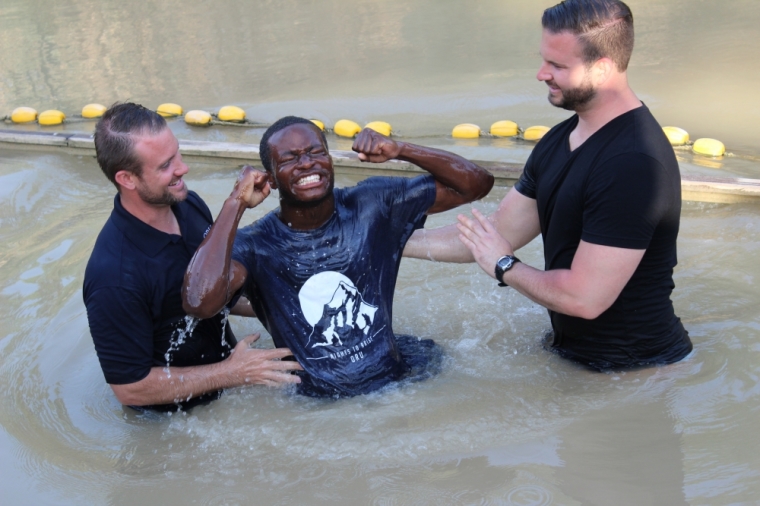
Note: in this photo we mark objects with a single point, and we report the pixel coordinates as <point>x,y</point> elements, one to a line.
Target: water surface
<point>506,422</point>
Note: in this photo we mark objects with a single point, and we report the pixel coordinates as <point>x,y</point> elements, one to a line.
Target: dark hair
<point>264,152</point>
<point>603,27</point>
<point>114,137</point>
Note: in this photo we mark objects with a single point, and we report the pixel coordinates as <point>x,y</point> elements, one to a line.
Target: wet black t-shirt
<point>132,291</point>
<point>620,188</point>
<point>327,294</point>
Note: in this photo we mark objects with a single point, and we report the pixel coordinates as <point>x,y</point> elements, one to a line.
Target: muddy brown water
<point>506,422</point>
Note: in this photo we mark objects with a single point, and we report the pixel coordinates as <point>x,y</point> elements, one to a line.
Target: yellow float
<point>231,113</point>
<point>23,115</point>
<point>198,118</point>
<point>346,128</point>
<point>466,131</point>
<point>676,136</point>
<point>93,111</point>
<point>380,127</point>
<point>709,147</point>
<point>51,117</point>
<point>319,124</point>
<point>169,110</point>
<point>535,133</point>
<point>504,128</point>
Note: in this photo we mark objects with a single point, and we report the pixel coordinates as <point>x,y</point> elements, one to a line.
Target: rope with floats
<point>231,115</point>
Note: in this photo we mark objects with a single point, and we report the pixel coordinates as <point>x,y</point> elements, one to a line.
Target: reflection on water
<point>505,422</point>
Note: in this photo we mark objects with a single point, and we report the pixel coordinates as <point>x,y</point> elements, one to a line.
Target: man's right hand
<point>251,187</point>
<point>254,366</point>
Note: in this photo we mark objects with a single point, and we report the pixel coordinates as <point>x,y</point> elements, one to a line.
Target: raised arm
<point>458,181</point>
<point>516,219</point>
<point>212,277</point>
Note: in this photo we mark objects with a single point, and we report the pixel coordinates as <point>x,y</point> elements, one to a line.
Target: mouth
<point>177,184</point>
<point>308,180</point>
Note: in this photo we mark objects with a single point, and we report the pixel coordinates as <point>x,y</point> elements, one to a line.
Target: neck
<point>159,217</point>
<point>609,103</point>
<point>301,216</point>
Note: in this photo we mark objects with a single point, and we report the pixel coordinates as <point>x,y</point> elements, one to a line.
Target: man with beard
<point>321,270</point>
<point>603,189</point>
<point>151,353</point>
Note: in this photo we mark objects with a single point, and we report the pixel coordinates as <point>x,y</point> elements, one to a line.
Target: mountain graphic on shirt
<point>346,319</point>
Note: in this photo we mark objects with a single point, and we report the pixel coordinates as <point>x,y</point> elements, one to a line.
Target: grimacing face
<point>302,168</point>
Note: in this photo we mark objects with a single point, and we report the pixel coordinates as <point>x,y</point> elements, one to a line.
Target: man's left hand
<point>483,240</point>
<point>374,147</point>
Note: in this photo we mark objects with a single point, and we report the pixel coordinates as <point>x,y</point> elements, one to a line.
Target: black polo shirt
<point>132,291</point>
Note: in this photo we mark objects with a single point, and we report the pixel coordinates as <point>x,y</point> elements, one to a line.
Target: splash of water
<point>183,332</point>
<point>178,339</point>
<point>225,317</point>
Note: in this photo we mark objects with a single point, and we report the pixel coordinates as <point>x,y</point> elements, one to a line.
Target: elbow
<point>482,184</point>
<point>127,396</point>
<point>588,310</point>
<point>197,302</point>
<point>195,307</point>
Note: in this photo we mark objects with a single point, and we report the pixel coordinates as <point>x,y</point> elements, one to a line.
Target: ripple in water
<point>529,495</point>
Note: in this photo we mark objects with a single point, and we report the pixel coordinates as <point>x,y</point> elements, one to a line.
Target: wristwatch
<point>503,265</point>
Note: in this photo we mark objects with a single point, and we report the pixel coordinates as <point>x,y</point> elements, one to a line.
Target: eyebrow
<point>318,145</point>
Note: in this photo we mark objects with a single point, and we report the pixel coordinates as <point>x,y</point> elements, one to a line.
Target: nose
<point>181,168</point>
<point>304,160</point>
<point>543,72</point>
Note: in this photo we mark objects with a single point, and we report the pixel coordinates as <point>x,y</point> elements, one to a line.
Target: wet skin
<point>302,171</point>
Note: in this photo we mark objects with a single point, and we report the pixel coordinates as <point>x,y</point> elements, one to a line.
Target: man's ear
<point>603,70</point>
<point>126,179</point>
<point>272,180</point>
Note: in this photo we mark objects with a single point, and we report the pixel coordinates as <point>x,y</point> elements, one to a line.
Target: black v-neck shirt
<point>620,188</point>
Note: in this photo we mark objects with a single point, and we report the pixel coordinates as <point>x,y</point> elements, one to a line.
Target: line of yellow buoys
<point>233,115</point>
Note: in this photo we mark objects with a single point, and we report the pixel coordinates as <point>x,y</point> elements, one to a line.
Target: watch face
<point>505,263</point>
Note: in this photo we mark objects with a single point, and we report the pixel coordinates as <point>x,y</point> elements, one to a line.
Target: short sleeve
<point>411,205</point>
<point>242,248</point>
<point>121,329</point>
<point>407,198</point>
<point>526,185</point>
<point>626,198</point>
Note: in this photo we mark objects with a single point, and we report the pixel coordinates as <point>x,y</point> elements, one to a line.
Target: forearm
<point>466,179</point>
<point>439,245</point>
<point>165,385</point>
<point>516,219</point>
<point>208,282</point>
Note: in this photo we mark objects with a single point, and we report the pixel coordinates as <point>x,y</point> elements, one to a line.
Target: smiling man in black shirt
<point>151,353</point>
<point>603,190</point>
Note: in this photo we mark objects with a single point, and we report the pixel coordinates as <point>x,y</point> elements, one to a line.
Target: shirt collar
<point>147,239</point>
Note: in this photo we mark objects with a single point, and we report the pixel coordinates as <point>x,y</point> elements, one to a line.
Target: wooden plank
<point>694,187</point>
<point>34,138</point>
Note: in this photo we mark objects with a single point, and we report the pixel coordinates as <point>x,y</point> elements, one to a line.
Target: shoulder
<point>114,261</point>
<point>649,138</point>
<point>264,226</point>
<point>375,185</point>
<point>106,254</point>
